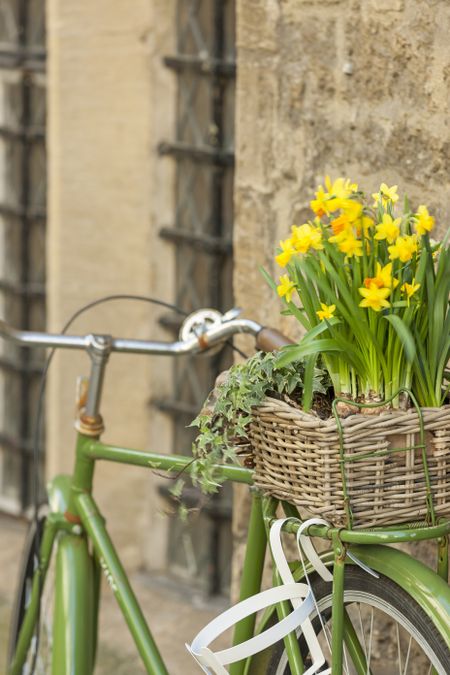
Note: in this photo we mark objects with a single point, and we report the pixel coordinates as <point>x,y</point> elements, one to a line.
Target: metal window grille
<point>22,234</point>
<point>202,236</point>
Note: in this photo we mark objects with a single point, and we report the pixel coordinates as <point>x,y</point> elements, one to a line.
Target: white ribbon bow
<point>299,594</point>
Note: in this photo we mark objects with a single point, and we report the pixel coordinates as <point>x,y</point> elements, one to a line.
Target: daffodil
<point>326,312</point>
<point>341,187</point>
<point>410,289</point>
<point>306,237</point>
<point>388,229</point>
<point>383,277</point>
<point>319,204</point>
<point>386,194</point>
<point>339,192</point>
<point>404,248</point>
<point>287,251</point>
<point>424,222</point>
<point>350,246</point>
<point>351,208</point>
<point>285,288</point>
<point>340,224</point>
<point>374,297</point>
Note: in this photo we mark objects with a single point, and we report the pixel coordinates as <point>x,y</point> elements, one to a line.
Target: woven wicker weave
<point>297,459</point>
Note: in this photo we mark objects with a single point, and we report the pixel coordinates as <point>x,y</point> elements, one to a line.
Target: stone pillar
<point>105,200</point>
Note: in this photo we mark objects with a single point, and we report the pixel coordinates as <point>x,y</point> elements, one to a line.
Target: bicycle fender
<point>76,592</point>
<point>73,626</point>
<point>427,588</point>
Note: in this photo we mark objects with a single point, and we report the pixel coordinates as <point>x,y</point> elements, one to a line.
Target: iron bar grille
<point>22,236</point>
<point>202,236</point>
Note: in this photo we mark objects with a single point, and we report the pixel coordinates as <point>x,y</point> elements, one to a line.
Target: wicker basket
<point>297,458</point>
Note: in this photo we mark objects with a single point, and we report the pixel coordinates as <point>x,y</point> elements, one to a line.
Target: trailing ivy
<point>224,421</point>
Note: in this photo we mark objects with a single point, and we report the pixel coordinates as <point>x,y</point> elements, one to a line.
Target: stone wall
<point>356,88</point>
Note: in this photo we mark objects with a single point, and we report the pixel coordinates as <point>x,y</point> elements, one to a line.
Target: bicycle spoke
<point>399,650</point>
<point>378,637</point>
<point>407,655</point>
<point>363,635</point>
<point>370,641</point>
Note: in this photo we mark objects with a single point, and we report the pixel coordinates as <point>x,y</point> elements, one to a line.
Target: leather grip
<point>269,339</point>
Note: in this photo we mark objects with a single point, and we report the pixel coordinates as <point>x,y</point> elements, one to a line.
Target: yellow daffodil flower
<point>287,251</point>
<point>306,237</point>
<point>374,297</point>
<point>343,231</point>
<point>388,229</point>
<point>319,204</point>
<point>410,289</point>
<point>350,246</point>
<point>386,194</point>
<point>341,187</point>
<point>285,288</point>
<point>340,224</point>
<point>383,277</point>
<point>352,209</point>
<point>339,192</point>
<point>424,222</point>
<point>404,248</point>
<point>326,312</point>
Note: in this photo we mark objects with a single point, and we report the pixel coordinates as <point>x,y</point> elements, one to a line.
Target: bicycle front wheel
<point>39,655</point>
<point>392,633</point>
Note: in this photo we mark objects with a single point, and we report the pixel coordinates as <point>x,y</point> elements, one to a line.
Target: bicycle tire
<point>392,605</point>
<point>38,663</point>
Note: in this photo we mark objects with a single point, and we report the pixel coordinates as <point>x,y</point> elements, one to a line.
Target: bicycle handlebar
<point>201,331</point>
<point>193,345</point>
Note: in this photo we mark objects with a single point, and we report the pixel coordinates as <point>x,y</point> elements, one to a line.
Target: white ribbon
<point>299,594</point>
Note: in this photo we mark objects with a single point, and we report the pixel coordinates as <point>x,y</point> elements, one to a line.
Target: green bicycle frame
<point>75,521</point>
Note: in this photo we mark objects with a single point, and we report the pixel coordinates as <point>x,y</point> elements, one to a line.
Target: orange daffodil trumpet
<point>359,271</point>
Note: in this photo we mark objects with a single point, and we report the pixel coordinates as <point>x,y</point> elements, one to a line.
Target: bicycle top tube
<point>195,344</point>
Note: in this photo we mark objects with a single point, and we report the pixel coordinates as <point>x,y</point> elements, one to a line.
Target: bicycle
<point>371,582</point>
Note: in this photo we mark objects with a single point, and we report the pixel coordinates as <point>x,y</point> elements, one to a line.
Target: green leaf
<point>298,352</point>
<point>404,334</point>
<point>268,279</point>
<point>308,382</point>
<point>177,489</point>
<point>320,328</point>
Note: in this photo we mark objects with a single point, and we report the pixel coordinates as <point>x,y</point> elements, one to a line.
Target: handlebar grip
<point>269,339</point>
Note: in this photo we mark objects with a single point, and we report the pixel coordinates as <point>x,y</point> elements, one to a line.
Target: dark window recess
<point>22,236</point>
<point>201,234</point>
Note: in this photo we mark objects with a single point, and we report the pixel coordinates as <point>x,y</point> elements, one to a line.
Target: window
<point>22,235</point>
<point>202,236</point>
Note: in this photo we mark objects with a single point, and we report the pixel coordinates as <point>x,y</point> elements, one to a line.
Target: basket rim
<point>294,412</point>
